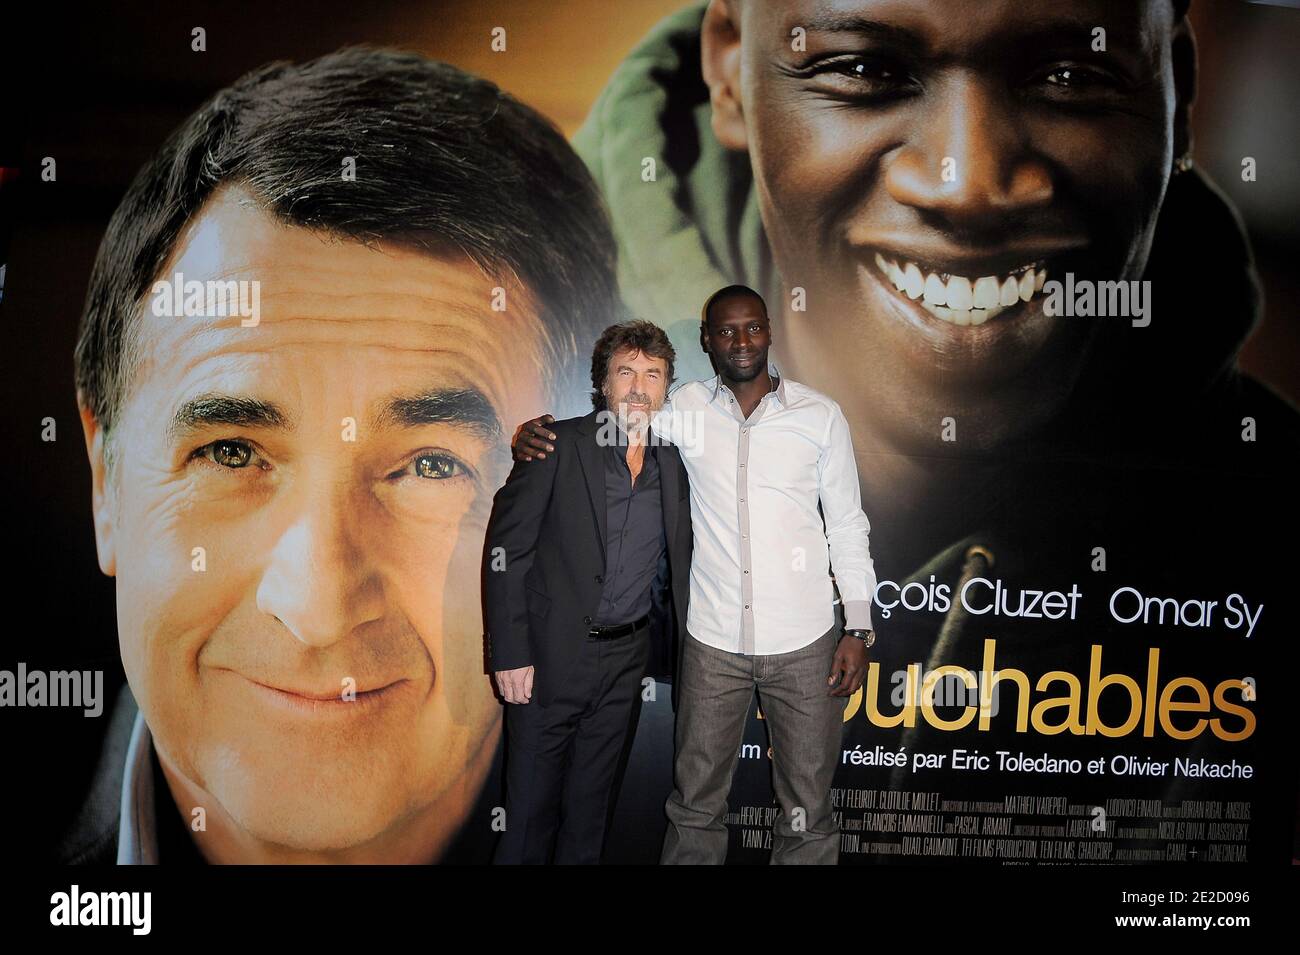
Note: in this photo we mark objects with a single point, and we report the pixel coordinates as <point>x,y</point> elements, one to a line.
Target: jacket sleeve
<point>518,511</point>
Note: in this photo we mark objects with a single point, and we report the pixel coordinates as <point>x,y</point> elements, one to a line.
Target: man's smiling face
<point>923,166</point>
<point>336,465</point>
<point>737,335</point>
<point>635,387</point>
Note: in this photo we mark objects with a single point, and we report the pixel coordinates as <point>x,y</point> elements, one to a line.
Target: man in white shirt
<point>762,453</point>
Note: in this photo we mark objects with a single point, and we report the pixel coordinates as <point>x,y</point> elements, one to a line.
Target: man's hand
<point>532,439</point>
<point>849,667</point>
<point>515,685</point>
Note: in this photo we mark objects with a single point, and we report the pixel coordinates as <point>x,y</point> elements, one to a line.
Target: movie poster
<point>283,283</point>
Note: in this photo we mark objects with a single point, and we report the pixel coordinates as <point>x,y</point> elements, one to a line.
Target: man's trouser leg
<point>806,726</point>
<point>538,744</point>
<point>586,805</point>
<point>713,701</point>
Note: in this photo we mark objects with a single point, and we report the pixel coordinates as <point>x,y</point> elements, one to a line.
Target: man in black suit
<point>586,579</point>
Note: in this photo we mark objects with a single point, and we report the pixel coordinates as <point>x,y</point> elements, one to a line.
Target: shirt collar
<point>620,450</point>
<point>772,370</point>
<point>137,831</point>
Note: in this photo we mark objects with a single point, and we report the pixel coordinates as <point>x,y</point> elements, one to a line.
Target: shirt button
<point>586,620</point>
<point>600,579</point>
<point>746,606</point>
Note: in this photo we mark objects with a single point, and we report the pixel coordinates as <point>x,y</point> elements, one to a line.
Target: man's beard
<point>635,420</point>
<point>755,369</point>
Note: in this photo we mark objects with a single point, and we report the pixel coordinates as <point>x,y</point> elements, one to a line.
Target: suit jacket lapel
<point>593,469</point>
<point>668,489</point>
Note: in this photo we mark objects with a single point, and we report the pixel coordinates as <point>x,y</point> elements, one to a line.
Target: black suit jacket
<point>544,558</point>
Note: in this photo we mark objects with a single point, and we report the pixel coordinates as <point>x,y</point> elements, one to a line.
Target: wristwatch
<point>868,637</point>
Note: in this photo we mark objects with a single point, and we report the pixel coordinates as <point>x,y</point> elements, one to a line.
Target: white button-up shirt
<point>761,570</point>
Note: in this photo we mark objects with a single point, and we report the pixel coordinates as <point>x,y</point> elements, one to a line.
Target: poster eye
<point>438,467</point>
<point>229,454</point>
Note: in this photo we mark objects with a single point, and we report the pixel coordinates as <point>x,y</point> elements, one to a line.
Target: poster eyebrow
<point>213,408</point>
<point>465,407</point>
<point>896,36</point>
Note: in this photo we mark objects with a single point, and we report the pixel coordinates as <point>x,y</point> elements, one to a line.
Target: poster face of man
<point>297,510</point>
<point>909,180</point>
<point>959,152</point>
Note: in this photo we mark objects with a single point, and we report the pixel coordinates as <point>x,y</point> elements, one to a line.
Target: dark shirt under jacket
<point>636,546</point>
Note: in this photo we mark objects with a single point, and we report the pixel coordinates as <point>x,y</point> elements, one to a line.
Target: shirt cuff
<point>857,615</point>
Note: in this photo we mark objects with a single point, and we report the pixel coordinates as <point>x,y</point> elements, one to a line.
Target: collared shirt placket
<point>742,503</point>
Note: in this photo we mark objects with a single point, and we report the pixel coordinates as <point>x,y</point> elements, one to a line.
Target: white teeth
<point>1026,286</point>
<point>986,292</point>
<point>1009,293</point>
<point>936,292</point>
<point>913,283</point>
<point>981,315</point>
<point>959,293</point>
<point>956,300</point>
<point>964,316</point>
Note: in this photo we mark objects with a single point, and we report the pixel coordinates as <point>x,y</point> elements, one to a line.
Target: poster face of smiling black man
<point>1039,253</point>
<point>977,226</point>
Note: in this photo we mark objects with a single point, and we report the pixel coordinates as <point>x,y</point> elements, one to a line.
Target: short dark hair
<point>449,162</point>
<point>640,336</point>
<point>729,291</point>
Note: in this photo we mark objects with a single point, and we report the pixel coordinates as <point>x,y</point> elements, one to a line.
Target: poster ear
<point>102,499</point>
<point>720,64</point>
